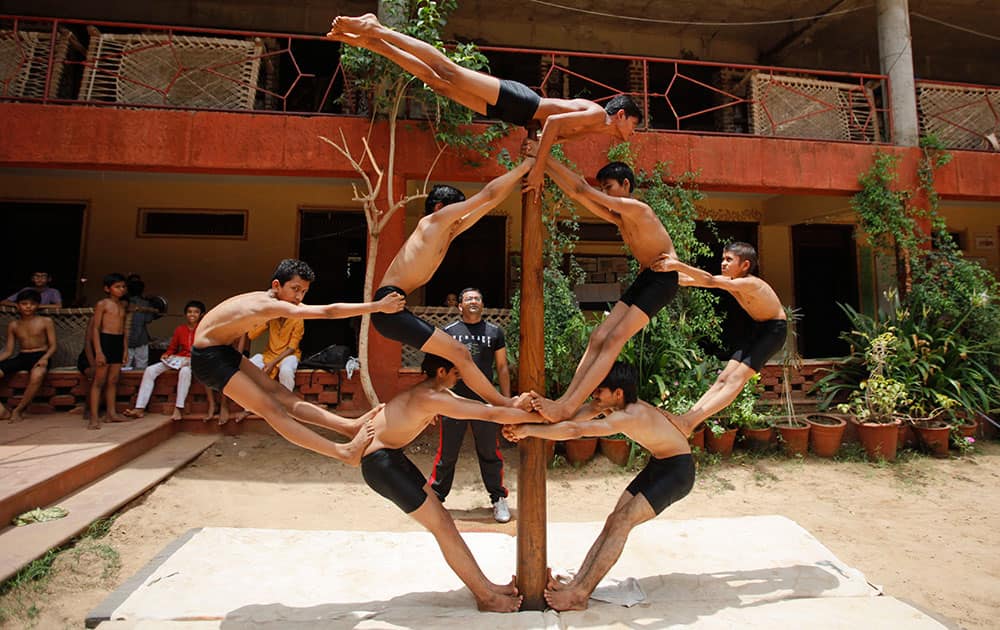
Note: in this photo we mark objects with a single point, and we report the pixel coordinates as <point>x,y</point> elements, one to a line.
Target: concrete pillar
<point>896,58</point>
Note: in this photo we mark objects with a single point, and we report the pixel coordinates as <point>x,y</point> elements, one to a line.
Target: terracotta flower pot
<point>934,436</point>
<point>825,434</point>
<point>722,444</point>
<point>757,439</point>
<point>697,437</point>
<point>968,428</point>
<point>794,437</point>
<point>879,439</point>
<point>580,450</point>
<point>616,449</point>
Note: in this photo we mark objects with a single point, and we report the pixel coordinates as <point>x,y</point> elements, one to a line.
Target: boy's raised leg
<point>723,391</point>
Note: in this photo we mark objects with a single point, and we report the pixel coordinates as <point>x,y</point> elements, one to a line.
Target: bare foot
<point>553,582</point>
<point>4,413</point>
<point>567,599</point>
<point>211,415</point>
<point>361,25</point>
<point>496,602</point>
<point>134,413</point>
<point>77,410</point>
<point>93,425</point>
<point>238,418</point>
<point>17,416</point>
<point>366,416</point>
<point>354,449</point>
<point>347,38</point>
<point>114,417</point>
<point>509,588</point>
<point>178,414</point>
<point>548,409</point>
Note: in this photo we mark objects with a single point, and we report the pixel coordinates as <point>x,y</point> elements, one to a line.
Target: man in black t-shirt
<point>486,343</point>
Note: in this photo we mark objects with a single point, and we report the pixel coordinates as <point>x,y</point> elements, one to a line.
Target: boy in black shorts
<point>36,337</point>
<point>509,101</point>
<point>448,214</point>
<point>647,239</point>
<point>390,473</point>
<point>220,366</point>
<point>107,330</point>
<point>758,299</point>
<point>666,479</point>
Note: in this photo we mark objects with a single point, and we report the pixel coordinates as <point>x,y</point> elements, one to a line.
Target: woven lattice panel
<point>172,70</point>
<point>71,327</point>
<point>800,107</point>
<point>24,62</point>
<point>959,116</point>
<point>441,316</point>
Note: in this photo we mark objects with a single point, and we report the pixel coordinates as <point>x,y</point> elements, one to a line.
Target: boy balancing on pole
<point>217,364</point>
<point>449,214</point>
<point>388,472</point>
<point>759,300</point>
<point>666,479</point>
<point>647,239</point>
<point>510,101</point>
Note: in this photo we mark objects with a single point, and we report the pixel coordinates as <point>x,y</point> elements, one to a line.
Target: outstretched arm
<point>689,276</point>
<point>559,127</point>
<point>616,422</point>
<point>580,191</point>
<point>454,406</point>
<point>392,303</point>
<point>466,213</point>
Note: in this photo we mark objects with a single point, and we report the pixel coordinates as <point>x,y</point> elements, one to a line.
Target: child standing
<point>177,357</point>
<point>36,336</point>
<point>110,349</point>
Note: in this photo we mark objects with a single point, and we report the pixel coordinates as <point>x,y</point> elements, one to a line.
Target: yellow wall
<point>181,269</point>
<point>977,220</point>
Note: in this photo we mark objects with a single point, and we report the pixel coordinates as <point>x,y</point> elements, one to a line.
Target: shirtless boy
<point>449,214</point>
<point>759,300</point>
<point>666,479</point>
<point>647,239</point>
<point>110,349</point>
<point>36,337</point>
<point>220,366</point>
<point>390,473</point>
<point>510,101</point>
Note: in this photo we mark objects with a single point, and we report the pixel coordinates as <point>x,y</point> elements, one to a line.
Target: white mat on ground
<point>753,571</point>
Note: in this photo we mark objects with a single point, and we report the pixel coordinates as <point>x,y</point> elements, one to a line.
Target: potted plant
<point>616,447</point>
<point>792,430</point>
<point>720,436</point>
<point>826,433</point>
<point>721,429</point>
<point>755,429</point>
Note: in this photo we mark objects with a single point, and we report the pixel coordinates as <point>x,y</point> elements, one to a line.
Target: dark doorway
<point>477,258</point>
<point>826,273</point>
<point>42,237</point>
<point>736,324</point>
<point>334,243</point>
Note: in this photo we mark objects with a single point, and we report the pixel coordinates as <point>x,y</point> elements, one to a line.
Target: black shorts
<point>765,340</point>
<point>20,362</point>
<point>516,103</point>
<point>390,473</point>
<point>82,362</point>
<point>404,326</point>
<point>215,365</point>
<point>651,291</point>
<point>113,347</point>
<point>664,481</point>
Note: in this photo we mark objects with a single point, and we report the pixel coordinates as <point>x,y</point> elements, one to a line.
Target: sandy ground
<point>923,529</point>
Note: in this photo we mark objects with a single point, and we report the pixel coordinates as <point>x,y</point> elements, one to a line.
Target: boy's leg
<point>35,378</point>
<point>111,393</point>
<point>298,408</point>
<point>245,388</point>
<point>210,397</point>
<point>489,596</point>
<point>723,391</point>
<point>605,343</point>
<point>183,386</point>
<point>286,372</point>
<point>444,345</point>
<point>149,377</point>
<point>94,398</point>
<point>603,554</point>
<point>473,89</point>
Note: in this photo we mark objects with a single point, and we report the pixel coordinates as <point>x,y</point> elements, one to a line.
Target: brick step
<point>101,498</point>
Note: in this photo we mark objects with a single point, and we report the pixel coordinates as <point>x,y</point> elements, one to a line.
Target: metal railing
<point>960,115</point>
<point>132,65</point>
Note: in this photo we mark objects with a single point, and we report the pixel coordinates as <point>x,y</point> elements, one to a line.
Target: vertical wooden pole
<point>531,518</point>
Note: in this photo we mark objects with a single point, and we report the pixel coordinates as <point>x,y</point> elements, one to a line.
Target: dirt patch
<point>923,529</point>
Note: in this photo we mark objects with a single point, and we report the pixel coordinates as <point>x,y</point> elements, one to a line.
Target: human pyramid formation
<point>378,437</point>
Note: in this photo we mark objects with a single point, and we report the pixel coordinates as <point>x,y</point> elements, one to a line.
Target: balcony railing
<point>960,115</point>
<point>153,66</point>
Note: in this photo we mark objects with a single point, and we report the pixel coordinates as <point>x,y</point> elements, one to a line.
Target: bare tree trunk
<point>366,377</point>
